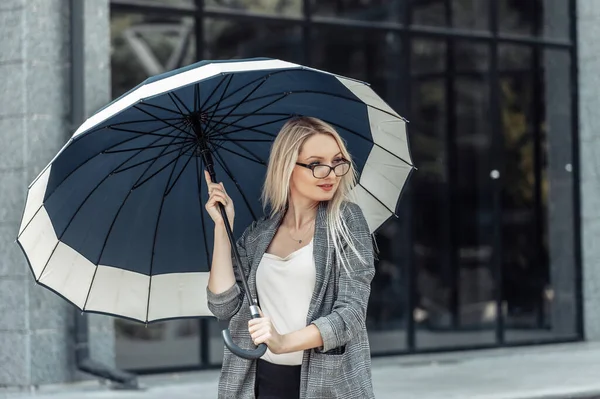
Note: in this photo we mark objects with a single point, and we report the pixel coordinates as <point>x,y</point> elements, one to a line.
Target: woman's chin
<point>327,196</point>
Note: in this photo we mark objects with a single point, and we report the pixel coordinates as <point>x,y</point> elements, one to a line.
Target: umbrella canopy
<point>116,222</point>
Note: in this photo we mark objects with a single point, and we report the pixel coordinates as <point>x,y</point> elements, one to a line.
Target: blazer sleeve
<point>226,304</point>
<point>348,316</point>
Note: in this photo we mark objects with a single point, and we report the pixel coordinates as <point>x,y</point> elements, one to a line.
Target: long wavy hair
<point>282,160</point>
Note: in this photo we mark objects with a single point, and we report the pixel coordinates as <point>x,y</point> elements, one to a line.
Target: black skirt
<point>275,381</point>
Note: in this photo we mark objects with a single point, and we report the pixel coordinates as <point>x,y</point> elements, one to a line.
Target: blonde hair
<point>282,160</point>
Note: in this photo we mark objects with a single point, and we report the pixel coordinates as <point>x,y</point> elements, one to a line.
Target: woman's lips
<point>326,187</point>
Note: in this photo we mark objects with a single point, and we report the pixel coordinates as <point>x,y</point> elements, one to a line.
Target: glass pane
<point>474,230</point>
<point>517,16</point>
<point>432,12</point>
<point>456,305</point>
<point>364,55</point>
<point>540,266</point>
<point>278,7</point>
<point>388,306</point>
<point>555,22</point>
<point>146,45</point>
<point>227,39</point>
<point>375,57</point>
<point>471,57</point>
<point>524,267</point>
<point>176,3</point>
<point>167,344</point>
<point>430,243</point>
<point>215,340</point>
<point>515,60</point>
<point>470,14</point>
<point>367,10</point>
<point>428,57</point>
<point>548,18</point>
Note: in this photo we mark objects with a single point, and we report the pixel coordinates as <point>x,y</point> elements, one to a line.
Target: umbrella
<point>116,224</point>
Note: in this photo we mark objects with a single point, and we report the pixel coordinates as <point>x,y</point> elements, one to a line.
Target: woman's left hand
<point>263,331</point>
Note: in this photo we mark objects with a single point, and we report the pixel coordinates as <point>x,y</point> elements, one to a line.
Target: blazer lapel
<point>322,265</point>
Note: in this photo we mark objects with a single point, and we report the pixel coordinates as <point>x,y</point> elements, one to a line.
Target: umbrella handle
<point>236,350</point>
<point>249,354</point>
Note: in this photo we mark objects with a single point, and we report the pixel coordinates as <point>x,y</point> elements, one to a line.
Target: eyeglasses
<point>321,171</point>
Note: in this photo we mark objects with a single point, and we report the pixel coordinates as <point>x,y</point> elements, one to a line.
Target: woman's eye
<point>338,160</point>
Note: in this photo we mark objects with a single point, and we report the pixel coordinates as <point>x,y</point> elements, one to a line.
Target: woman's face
<point>317,149</point>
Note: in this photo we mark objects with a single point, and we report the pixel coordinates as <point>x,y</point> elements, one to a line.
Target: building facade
<point>495,244</point>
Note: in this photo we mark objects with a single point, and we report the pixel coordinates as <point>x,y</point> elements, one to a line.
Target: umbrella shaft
<point>209,164</point>
<point>236,254</point>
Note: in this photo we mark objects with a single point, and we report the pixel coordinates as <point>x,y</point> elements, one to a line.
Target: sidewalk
<point>557,372</point>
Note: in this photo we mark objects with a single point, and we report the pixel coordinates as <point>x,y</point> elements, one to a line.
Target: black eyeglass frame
<point>331,168</point>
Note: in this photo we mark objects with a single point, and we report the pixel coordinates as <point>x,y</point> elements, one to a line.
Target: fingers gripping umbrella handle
<point>244,353</point>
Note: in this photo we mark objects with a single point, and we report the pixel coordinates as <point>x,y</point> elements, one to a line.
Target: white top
<point>285,287</point>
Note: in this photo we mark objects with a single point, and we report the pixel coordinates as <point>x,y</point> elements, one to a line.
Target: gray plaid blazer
<point>342,367</point>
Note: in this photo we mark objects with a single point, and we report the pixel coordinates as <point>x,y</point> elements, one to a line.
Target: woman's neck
<point>300,212</point>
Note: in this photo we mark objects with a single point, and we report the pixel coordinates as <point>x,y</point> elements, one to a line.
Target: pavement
<point>540,372</point>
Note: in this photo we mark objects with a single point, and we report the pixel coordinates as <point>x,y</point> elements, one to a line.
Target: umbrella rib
<point>75,169</point>
<point>249,101</point>
<point>221,162</point>
<point>238,154</point>
<point>157,107</point>
<point>378,200</point>
<point>356,100</point>
<point>174,103</point>
<point>181,102</point>
<point>163,121</point>
<point>212,93</point>
<point>162,202</point>
<point>258,79</point>
<point>181,149</point>
<point>247,140</point>
<point>218,103</point>
<point>208,263</point>
<point>245,98</point>
<point>216,132</point>
<point>242,128</point>
<point>180,173</point>
<point>145,148</point>
<point>223,97</point>
<point>130,123</point>
<point>248,151</point>
<point>142,133</point>
<point>195,97</point>
<point>48,261</point>
<point>256,112</point>
<point>220,131</point>
<point>125,130</point>
<point>160,155</point>
<point>111,225</point>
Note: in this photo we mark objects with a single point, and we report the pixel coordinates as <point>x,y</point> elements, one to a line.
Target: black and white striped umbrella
<point>116,222</point>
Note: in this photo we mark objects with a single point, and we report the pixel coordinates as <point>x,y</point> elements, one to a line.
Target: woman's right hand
<point>217,194</point>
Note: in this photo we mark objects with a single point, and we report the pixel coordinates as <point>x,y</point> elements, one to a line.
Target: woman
<point>310,264</point>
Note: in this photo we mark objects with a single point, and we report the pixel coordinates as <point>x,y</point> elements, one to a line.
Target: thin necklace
<point>303,235</point>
